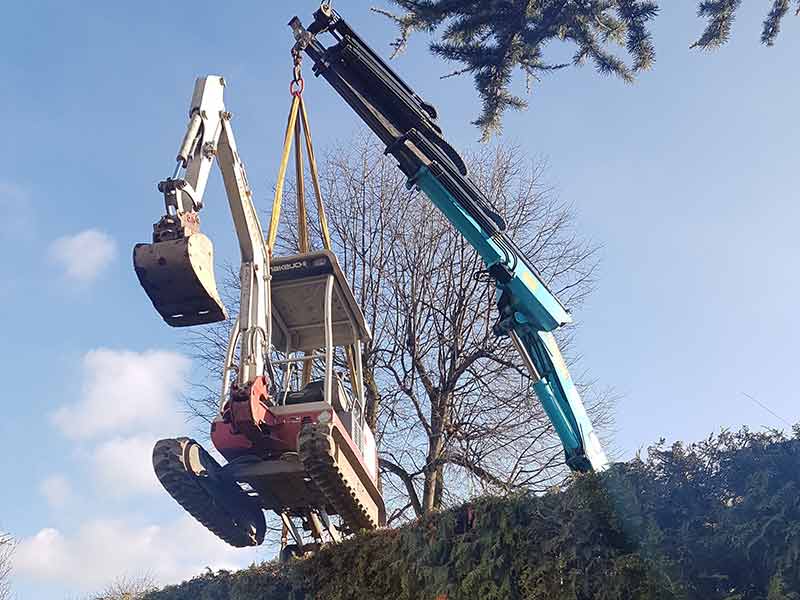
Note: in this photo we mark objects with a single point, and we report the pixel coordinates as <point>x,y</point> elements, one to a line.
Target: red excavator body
<point>298,450</point>
<point>301,454</point>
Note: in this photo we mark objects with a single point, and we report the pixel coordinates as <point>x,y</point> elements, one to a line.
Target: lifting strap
<point>293,130</point>
<point>296,127</point>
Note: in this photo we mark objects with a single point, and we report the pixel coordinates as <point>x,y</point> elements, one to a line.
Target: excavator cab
<point>311,446</point>
<point>315,314</point>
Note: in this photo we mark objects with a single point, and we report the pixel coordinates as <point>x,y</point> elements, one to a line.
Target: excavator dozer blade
<point>178,276</point>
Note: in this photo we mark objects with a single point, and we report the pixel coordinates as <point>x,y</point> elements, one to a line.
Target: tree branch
<point>407,480</point>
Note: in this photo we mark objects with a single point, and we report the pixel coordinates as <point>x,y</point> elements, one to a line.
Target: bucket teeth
<point>221,505</point>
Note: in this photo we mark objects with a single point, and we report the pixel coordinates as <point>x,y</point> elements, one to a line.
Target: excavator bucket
<point>178,276</point>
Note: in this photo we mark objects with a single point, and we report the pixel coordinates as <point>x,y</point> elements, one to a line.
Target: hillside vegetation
<point>714,520</point>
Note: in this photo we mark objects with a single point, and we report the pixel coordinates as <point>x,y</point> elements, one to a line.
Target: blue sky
<point>688,180</point>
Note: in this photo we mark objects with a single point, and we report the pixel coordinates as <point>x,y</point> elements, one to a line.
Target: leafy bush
<point>713,520</point>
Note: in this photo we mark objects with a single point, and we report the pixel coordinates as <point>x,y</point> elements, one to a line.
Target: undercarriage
<point>323,478</point>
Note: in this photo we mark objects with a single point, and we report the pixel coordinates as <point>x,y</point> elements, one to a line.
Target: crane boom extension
<point>528,311</point>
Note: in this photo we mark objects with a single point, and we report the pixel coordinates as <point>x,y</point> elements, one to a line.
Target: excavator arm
<point>177,269</point>
<point>528,311</point>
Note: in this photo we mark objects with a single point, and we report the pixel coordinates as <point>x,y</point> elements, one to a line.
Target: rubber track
<point>316,452</point>
<point>183,486</point>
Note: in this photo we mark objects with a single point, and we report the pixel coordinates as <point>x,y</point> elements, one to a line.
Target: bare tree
<point>127,588</point>
<point>453,409</point>
<point>6,549</point>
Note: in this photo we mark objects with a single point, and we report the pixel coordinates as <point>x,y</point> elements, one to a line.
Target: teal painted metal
<point>560,420</point>
<point>528,293</point>
<point>562,402</point>
<point>536,313</point>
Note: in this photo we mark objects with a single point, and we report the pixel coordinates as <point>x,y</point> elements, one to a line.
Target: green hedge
<point>715,520</point>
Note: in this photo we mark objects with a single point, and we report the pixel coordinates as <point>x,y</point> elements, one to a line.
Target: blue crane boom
<point>528,311</point>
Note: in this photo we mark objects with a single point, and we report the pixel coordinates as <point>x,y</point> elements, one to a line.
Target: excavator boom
<point>528,311</point>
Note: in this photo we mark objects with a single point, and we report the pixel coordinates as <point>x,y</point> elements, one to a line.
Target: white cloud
<point>124,465</point>
<point>102,550</point>
<point>125,391</point>
<point>83,256</point>
<point>56,490</point>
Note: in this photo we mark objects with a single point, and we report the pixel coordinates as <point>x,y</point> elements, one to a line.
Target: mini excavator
<point>294,444</point>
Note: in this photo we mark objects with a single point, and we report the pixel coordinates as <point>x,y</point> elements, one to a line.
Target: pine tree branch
<point>493,39</point>
<point>772,24</point>
<point>720,15</point>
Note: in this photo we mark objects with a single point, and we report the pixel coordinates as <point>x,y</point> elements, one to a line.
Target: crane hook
<point>297,84</point>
